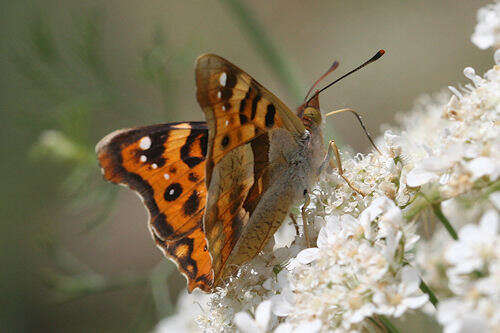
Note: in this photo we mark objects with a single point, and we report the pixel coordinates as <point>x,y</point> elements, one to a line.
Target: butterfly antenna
<point>331,69</point>
<point>377,56</point>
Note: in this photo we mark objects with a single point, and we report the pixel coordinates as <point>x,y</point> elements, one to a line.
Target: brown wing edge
<point>186,264</point>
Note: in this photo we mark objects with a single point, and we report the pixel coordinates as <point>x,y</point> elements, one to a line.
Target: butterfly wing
<point>237,108</point>
<point>240,112</point>
<point>165,165</point>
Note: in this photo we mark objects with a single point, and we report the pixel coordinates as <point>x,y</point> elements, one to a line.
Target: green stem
<point>436,208</point>
<point>265,47</point>
<point>432,297</point>
<point>387,324</point>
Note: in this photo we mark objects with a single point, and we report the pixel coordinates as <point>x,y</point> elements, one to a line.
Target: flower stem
<point>265,46</point>
<point>425,289</point>
<point>436,207</point>
<point>387,324</point>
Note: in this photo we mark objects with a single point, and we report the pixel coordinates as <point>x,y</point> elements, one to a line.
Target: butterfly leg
<point>305,222</point>
<point>295,224</point>
<point>333,150</point>
<point>360,120</point>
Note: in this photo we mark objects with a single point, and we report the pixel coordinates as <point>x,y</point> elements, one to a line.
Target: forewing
<point>237,108</point>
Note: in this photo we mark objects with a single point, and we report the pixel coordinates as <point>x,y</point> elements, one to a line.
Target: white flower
<point>475,246</point>
<point>487,33</point>
<point>474,278</point>
<point>457,318</point>
<point>396,300</point>
<point>484,166</point>
<point>260,324</point>
<point>189,307</point>
<point>306,327</point>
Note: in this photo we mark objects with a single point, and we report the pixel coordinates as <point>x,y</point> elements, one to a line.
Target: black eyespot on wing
<point>192,204</point>
<point>192,161</point>
<point>255,101</point>
<point>173,191</point>
<point>271,112</point>
<point>193,177</point>
<point>226,93</point>
<point>243,119</point>
<point>225,141</point>
<point>231,80</point>
<point>243,102</point>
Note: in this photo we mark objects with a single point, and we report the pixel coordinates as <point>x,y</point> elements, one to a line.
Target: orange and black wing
<point>238,109</point>
<point>165,165</point>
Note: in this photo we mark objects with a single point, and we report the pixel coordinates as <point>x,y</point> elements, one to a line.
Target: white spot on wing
<point>154,165</point>
<point>219,94</point>
<point>223,79</point>
<point>145,143</point>
<point>223,108</point>
<point>171,192</point>
<point>167,176</point>
<point>143,158</point>
<point>227,122</point>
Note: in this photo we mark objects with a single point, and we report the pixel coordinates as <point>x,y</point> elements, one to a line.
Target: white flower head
<point>350,276</point>
<point>475,245</point>
<point>189,307</point>
<point>259,324</point>
<point>487,33</point>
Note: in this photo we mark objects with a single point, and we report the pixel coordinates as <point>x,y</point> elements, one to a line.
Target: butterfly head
<point>310,113</point>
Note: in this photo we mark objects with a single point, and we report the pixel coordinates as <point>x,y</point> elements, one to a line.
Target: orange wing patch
<point>165,165</point>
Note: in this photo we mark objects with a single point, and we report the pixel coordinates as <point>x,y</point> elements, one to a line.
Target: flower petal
<point>263,314</point>
<point>245,323</point>
<point>417,177</point>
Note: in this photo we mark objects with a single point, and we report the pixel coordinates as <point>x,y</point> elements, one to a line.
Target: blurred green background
<point>75,252</point>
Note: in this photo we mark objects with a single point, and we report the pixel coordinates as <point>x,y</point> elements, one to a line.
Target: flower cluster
<point>474,278</point>
<point>359,269</point>
<point>487,33</point>
<point>372,253</point>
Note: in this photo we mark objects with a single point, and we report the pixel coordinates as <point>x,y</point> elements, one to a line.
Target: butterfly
<point>217,191</point>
